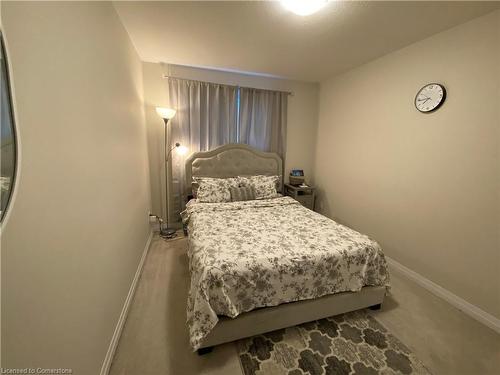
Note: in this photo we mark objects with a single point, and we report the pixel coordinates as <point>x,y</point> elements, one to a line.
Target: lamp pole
<point>166,114</point>
<point>167,232</point>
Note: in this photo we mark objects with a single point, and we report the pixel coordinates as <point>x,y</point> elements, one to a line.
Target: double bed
<point>266,264</point>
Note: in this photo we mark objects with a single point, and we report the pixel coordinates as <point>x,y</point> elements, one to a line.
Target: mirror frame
<point>13,124</point>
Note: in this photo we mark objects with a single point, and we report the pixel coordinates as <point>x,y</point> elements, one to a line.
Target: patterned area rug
<point>352,343</point>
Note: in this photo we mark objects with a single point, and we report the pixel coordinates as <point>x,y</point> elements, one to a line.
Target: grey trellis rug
<point>353,343</point>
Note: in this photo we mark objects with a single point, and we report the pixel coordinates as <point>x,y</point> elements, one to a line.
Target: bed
<point>262,265</point>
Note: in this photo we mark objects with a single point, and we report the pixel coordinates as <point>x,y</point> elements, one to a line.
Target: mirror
<point>8,156</point>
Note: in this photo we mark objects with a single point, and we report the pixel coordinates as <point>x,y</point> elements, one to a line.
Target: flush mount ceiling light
<point>303,7</point>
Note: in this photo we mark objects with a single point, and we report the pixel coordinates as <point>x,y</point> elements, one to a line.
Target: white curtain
<point>206,118</point>
<point>263,117</point>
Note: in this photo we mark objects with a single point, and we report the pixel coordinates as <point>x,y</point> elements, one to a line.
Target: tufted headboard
<point>233,160</point>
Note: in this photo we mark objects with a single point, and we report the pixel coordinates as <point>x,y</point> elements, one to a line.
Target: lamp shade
<point>165,113</point>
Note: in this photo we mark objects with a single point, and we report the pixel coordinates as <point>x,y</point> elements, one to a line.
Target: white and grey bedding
<point>257,253</point>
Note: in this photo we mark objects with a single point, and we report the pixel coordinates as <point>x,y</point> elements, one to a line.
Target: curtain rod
<point>218,83</point>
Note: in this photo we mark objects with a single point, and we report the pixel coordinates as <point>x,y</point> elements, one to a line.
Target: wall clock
<point>430,97</point>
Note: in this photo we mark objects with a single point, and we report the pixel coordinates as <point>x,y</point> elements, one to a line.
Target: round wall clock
<point>430,97</point>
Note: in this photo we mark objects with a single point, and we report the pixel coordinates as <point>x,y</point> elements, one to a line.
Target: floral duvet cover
<point>251,254</point>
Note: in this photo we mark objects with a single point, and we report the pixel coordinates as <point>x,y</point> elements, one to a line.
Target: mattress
<point>259,253</point>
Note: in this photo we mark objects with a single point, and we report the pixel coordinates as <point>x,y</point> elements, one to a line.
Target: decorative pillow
<point>243,193</point>
<point>215,190</point>
<point>265,186</point>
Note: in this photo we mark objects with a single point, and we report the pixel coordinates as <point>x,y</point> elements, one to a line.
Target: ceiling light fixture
<point>303,7</point>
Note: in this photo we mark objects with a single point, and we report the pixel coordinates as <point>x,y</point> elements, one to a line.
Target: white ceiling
<point>262,37</point>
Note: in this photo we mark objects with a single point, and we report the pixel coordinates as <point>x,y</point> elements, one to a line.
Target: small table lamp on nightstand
<point>304,194</point>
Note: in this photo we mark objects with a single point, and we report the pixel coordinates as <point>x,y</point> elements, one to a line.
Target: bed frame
<point>233,160</point>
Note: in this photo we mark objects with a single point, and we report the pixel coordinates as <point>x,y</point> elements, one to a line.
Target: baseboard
<point>461,304</point>
<point>123,316</point>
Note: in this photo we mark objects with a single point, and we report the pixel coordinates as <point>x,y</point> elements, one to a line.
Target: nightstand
<point>305,195</point>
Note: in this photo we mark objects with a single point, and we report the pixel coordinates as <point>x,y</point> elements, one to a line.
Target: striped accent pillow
<point>243,193</point>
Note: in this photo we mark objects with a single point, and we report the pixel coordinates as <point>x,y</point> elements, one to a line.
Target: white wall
<point>79,224</point>
<point>426,186</point>
<point>302,113</point>
<point>155,95</point>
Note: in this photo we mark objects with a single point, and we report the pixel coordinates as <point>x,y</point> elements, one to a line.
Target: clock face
<point>430,97</point>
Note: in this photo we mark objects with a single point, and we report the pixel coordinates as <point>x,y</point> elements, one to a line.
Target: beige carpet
<point>155,340</point>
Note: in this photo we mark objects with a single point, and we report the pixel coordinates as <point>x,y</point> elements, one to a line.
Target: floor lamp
<point>166,114</point>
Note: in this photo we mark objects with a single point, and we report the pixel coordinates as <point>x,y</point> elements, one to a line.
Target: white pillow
<point>264,186</point>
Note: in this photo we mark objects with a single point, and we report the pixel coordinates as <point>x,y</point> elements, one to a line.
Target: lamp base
<point>168,233</point>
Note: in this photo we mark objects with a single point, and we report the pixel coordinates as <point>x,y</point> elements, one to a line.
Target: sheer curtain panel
<point>206,118</point>
<point>263,117</point>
